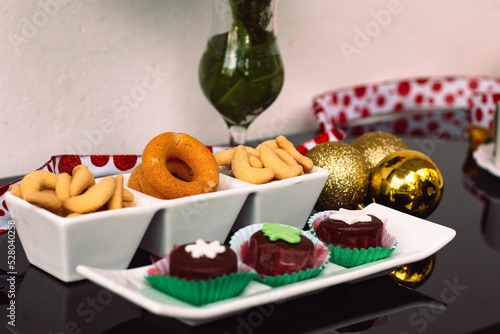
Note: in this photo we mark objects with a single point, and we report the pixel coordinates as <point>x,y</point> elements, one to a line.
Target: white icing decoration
<point>351,216</point>
<point>201,248</point>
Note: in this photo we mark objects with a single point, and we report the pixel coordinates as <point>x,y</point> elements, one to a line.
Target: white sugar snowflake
<point>351,216</point>
<point>201,248</point>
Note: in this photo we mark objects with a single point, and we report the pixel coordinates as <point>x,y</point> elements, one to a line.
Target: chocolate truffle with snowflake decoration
<point>202,260</point>
<point>352,229</point>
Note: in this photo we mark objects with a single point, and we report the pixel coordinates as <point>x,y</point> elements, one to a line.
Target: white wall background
<point>73,73</point>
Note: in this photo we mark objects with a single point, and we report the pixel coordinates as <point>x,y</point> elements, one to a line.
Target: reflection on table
<point>47,305</point>
<point>485,187</point>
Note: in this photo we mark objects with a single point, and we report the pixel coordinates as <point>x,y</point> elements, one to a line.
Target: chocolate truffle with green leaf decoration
<point>278,249</point>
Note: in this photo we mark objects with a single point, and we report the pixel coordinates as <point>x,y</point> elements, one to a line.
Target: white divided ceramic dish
<point>417,239</point>
<point>109,239</point>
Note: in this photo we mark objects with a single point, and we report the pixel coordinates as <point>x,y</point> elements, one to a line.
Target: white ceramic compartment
<point>57,245</point>
<point>184,220</point>
<point>287,202</point>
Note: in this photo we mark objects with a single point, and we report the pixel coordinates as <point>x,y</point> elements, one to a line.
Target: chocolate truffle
<point>272,255</point>
<point>352,229</point>
<point>202,261</point>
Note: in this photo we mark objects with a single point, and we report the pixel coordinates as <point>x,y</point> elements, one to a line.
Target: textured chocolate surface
<point>278,257</point>
<point>358,235</point>
<point>183,265</point>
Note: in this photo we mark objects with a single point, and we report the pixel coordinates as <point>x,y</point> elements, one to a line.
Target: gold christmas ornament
<point>347,184</point>
<point>377,145</point>
<point>408,181</point>
<point>477,135</point>
<point>415,274</point>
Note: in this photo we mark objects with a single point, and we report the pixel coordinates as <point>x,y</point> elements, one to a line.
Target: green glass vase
<point>241,71</point>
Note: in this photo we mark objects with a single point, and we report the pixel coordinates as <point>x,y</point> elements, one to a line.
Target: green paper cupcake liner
<point>244,234</point>
<point>354,257</point>
<point>280,280</point>
<point>202,292</point>
<point>347,257</point>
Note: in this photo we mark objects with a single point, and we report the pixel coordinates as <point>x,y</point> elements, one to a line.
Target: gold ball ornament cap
<point>377,145</point>
<point>408,181</point>
<point>347,184</point>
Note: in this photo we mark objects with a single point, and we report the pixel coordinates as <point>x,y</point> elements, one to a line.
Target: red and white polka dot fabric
<point>331,135</point>
<point>483,108</point>
<point>421,96</point>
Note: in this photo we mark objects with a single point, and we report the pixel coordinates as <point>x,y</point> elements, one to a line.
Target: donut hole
<point>179,169</point>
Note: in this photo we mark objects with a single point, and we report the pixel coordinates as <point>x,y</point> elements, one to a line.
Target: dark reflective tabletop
<point>459,295</point>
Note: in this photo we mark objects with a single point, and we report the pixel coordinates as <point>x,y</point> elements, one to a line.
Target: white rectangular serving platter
<point>417,239</point>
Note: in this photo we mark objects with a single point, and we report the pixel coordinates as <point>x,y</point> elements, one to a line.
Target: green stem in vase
<point>254,16</point>
<point>241,72</point>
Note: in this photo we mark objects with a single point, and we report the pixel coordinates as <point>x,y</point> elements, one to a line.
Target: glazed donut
<point>187,149</point>
<point>177,167</point>
<point>133,181</point>
<point>146,186</point>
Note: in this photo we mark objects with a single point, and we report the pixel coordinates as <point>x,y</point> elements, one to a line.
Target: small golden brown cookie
<point>226,156</point>
<point>16,190</point>
<point>94,198</point>
<point>116,201</point>
<point>63,186</point>
<point>37,180</point>
<point>280,168</point>
<point>128,204</point>
<point>127,195</point>
<point>45,199</point>
<point>286,145</point>
<point>283,155</point>
<point>82,179</point>
<point>242,169</point>
<point>271,143</point>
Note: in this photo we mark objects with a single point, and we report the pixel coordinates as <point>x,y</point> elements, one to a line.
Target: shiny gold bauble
<point>408,181</point>
<point>477,135</point>
<point>377,145</point>
<point>415,274</point>
<point>347,184</point>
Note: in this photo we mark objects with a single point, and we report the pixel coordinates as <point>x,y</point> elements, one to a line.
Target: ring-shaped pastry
<point>146,186</point>
<point>188,149</point>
